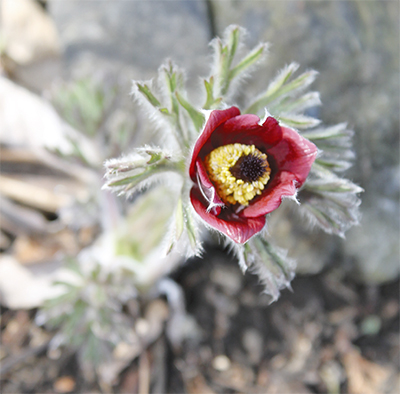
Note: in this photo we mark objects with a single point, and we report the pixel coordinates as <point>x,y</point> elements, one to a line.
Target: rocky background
<point>338,331</point>
<point>354,46</point>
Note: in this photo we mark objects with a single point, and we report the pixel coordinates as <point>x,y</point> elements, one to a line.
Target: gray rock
<point>131,39</point>
<point>355,47</point>
<point>115,42</point>
<point>30,47</point>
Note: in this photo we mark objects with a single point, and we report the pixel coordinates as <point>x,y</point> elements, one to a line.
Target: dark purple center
<point>249,168</point>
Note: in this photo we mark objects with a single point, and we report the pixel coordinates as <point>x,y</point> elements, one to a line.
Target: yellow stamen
<point>233,184</point>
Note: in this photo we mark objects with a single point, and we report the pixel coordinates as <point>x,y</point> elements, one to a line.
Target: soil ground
<point>326,336</point>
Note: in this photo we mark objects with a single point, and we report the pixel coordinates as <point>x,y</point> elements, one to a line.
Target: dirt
<point>327,335</point>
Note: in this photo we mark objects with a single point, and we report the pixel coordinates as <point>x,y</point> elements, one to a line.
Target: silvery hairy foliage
<point>327,200</point>
<point>88,312</point>
<point>121,265</point>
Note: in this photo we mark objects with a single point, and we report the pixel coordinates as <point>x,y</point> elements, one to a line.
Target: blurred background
<point>66,72</point>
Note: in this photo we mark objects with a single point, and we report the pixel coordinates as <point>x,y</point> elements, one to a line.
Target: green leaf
<point>211,102</point>
<point>145,90</point>
<point>164,111</point>
<point>330,201</point>
<point>281,79</point>
<point>127,172</point>
<point>335,144</point>
<point>190,227</point>
<point>338,185</point>
<point>173,79</point>
<point>295,105</point>
<point>227,69</point>
<point>233,44</point>
<point>334,164</point>
<point>285,266</point>
<point>280,88</point>
<point>151,98</point>
<point>196,116</point>
<point>222,79</point>
<point>173,82</point>
<point>274,269</point>
<point>209,85</point>
<point>226,51</point>
<point>300,82</point>
<point>155,156</point>
<point>132,180</point>
<point>333,132</point>
<point>325,221</point>
<point>299,121</point>
<point>248,61</point>
<point>179,220</point>
<point>84,105</point>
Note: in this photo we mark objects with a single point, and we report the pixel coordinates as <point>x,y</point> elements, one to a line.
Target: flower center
<point>238,171</point>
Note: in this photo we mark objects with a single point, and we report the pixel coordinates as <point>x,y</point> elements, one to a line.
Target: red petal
<point>208,190</point>
<point>291,158</point>
<point>246,129</point>
<point>239,229</point>
<point>202,172</point>
<point>283,185</point>
<point>294,154</point>
<point>217,117</point>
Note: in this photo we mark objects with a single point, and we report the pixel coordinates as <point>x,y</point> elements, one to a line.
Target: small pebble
<point>142,327</point>
<point>221,363</point>
<point>371,325</point>
<point>64,384</point>
<point>391,309</point>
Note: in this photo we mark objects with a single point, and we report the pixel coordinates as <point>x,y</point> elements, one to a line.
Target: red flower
<point>241,169</point>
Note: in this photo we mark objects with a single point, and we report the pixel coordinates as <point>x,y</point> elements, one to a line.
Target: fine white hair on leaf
<point>241,78</point>
<point>308,100</point>
<point>265,117</point>
<point>151,180</point>
<point>335,142</point>
<point>264,233</point>
<point>161,81</point>
<point>243,72</point>
<point>139,169</point>
<point>238,251</point>
<point>224,105</point>
<point>320,153</point>
<point>122,163</point>
<point>293,197</point>
<point>163,128</point>
<point>189,242</point>
<point>197,227</point>
<point>180,245</point>
<point>273,267</point>
<point>282,91</point>
<point>152,112</point>
<point>331,216</point>
<point>274,278</point>
<point>140,157</point>
<point>206,113</point>
<point>298,121</point>
<point>329,201</point>
<point>283,75</point>
<point>266,278</point>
